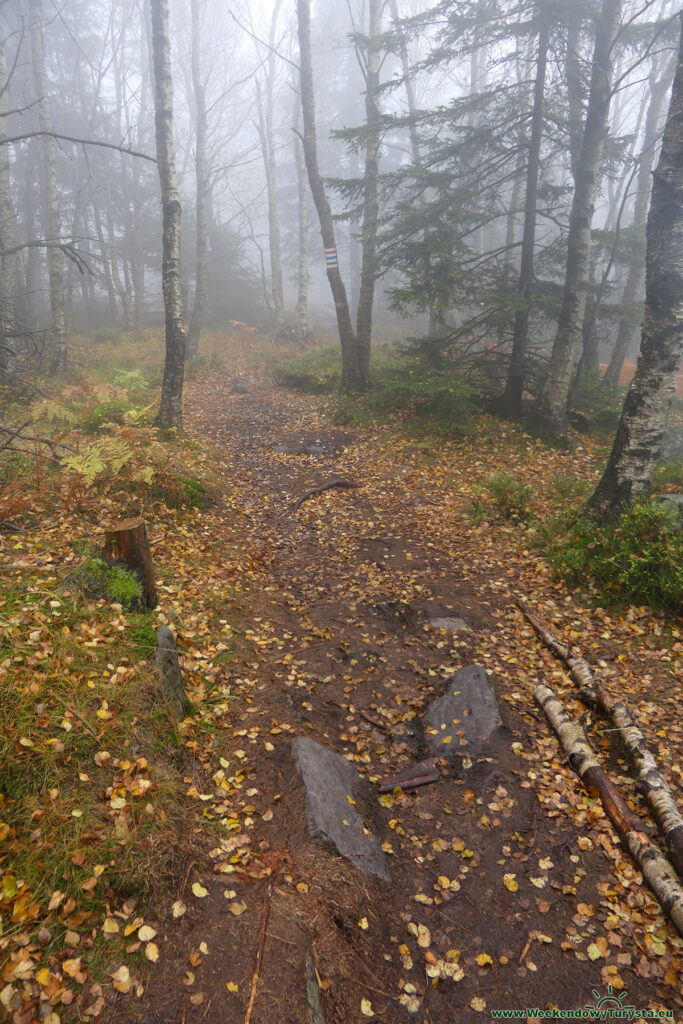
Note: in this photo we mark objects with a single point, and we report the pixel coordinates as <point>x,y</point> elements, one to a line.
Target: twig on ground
<point>335,482</point>
<point>259,953</point>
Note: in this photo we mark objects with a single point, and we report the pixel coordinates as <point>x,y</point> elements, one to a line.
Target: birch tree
<point>170,411</point>
<point>202,188</point>
<point>552,415</point>
<point>639,436</point>
<point>50,195</point>
<point>351,378</point>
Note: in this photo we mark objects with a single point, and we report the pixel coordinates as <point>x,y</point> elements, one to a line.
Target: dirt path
<point>507,890</point>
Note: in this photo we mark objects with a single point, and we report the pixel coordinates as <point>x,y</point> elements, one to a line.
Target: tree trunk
<point>639,436</point>
<point>171,408</point>
<point>8,238</point>
<point>301,312</point>
<point>368,273</point>
<point>202,186</point>
<point>127,542</point>
<point>31,256</point>
<point>351,379</point>
<point>50,194</point>
<point>512,396</point>
<point>636,270</point>
<point>552,415</point>
<point>274,241</point>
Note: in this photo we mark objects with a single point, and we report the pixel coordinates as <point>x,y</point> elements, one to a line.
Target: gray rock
<point>240,387</point>
<point>450,625</point>
<point>469,707</point>
<point>674,506</point>
<point>168,666</point>
<point>330,780</point>
<point>672,444</point>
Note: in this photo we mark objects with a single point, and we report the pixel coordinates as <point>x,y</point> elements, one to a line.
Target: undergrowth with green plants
<point>403,389</point>
<point>636,560</point>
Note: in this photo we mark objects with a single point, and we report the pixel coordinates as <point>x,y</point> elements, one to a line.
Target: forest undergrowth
<point>119,817</point>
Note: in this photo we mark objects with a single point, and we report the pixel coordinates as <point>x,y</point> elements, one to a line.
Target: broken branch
<point>336,482</point>
<point>259,953</point>
<point>656,869</point>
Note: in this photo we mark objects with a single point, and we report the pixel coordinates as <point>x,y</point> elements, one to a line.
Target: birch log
<point>656,869</point>
<point>651,782</point>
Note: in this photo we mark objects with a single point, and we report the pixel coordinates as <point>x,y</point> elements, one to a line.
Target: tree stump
<point>127,542</point>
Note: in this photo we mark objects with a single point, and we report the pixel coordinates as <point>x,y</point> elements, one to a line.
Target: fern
<point>109,454</point>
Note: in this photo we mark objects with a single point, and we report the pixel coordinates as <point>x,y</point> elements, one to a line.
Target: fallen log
<point>335,482</point>
<point>579,669</point>
<point>127,542</point>
<point>656,869</point>
<point>651,783</point>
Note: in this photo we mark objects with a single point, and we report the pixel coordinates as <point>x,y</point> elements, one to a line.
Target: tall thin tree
<point>202,188</point>
<point>552,414</point>
<point>171,408</point>
<point>50,194</point>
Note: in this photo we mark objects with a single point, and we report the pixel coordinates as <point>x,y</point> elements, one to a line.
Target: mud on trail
<point>508,889</point>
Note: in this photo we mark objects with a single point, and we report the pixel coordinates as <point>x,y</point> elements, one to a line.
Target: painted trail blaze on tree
<point>639,436</point>
<point>170,410</point>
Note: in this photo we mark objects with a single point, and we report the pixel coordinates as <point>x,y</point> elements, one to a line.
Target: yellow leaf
<point>366,1008</point>
<point>478,1004</point>
<point>199,891</point>
<point>363,923</point>
<point>237,907</point>
<point>146,933</point>
<point>110,926</point>
<point>510,883</point>
<point>484,959</point>
<point>594,951</point>
<point>232,986</point>
<point>179,908</point>
<point>121,979</point>
<point>152,952</point>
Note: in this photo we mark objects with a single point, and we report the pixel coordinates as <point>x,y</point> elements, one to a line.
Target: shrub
<point>106,413</point>
<point>179,491</point>
<point>511,496</point>
<point>637,559</point>
<point>115,582</point>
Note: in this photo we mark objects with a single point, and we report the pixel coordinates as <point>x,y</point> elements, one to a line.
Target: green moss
<point>115,582</point>
<point>106,413</point>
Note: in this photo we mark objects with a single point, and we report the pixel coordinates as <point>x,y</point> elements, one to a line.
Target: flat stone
<point>468,710</point>
<point>330,780</point>
<point>450,625</point>
<point>240,387</point>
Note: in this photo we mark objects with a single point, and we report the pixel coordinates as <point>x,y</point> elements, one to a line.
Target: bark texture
<point>637,445</point>
<point>656,869</point>
<point>368,274</point>
<point>170,411</point>
<point>50,193</point>
<point>202,187</point>
<point>635,273</point>
<point>512,397</point>
<point>351,379</point>
<point>552,414</point>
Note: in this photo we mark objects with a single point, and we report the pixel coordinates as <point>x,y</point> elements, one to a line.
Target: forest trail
<point>508,889</point>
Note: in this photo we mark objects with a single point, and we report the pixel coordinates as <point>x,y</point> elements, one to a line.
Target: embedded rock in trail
<point>450,625</point>
<point>467,711</point>
<point>330,780</point>
<point>240,386</point>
